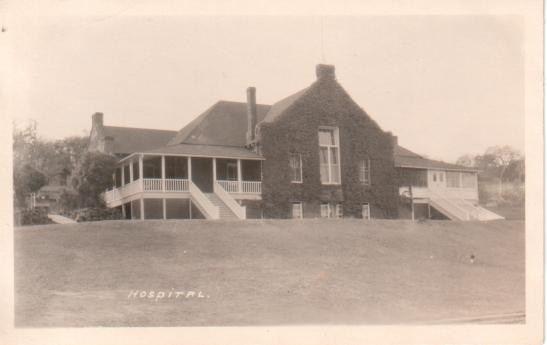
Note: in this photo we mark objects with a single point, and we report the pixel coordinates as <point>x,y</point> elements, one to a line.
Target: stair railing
<point>205,205</point>
<point>237,209</point>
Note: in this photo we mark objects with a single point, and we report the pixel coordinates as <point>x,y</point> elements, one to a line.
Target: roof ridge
<point>146,129</point>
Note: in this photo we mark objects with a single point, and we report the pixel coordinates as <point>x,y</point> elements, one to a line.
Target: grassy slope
<point>272,272</point>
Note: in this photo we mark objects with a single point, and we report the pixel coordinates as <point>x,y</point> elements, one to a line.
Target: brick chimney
<point>325,72</point>
<point>251,115</point>
<point>97,120</point>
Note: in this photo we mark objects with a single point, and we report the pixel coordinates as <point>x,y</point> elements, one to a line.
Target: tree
<point>92,177</point>
<point>467,160</point>
<point>26,180</point>
<point>502,157</point>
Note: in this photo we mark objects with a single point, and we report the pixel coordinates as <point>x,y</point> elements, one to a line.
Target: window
<point>441,176</point>
<point>453,179</point>
<point>365,211</point>
<point>297,210</point>
<point>295,163</point>
<point>339,211</point>
<point>325,210</point>
<point>434,177</point>
<point>364,172</point>
<point>329,156</point>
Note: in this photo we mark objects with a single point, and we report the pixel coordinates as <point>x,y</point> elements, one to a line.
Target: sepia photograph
<point>181,170</point>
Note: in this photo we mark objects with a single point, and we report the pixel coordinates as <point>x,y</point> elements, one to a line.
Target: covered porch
<point>162,173</point>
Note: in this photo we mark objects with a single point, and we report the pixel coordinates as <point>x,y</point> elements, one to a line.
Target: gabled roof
<point>225,123</point>
<point>405,158</point>
<point>128,140</point>
<point>279,107</point>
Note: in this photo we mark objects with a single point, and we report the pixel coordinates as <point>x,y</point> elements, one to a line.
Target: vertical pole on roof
<point>141,175</point>
<point>214,170</point>
<point>163,173</point>
<point>239,175</point>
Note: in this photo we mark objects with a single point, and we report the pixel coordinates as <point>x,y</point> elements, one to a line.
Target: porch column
<point>163,173</point>
<point>130,171</point>
<point>123,175</point>
<point>239,176</point>
<point>461,179</point>
<point>214,170</point>
<point>164,209</point>
<point>189,168</point>
<point>141,175</point>
<point>142,208</point>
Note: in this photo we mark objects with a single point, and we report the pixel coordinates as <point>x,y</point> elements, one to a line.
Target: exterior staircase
<point>224,211</point>
<point>461,209</point>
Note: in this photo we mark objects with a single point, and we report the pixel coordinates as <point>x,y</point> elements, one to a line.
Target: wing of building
<point>315,153</point>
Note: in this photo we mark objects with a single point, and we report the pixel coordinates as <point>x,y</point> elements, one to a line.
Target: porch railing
<point>176,185</point>
<point>254,187</point>
<point>152,184</point>
<point>229,186</point>
<point>251,186</point>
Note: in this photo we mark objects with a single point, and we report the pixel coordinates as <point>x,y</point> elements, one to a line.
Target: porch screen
<point>469,180</point>
<point>453,179</point>
<point>152,167</point>
<point>176,167</point>
<point>136,171</point>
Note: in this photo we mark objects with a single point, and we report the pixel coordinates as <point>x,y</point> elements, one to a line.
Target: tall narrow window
<point>297,210</point>
<point>295,163</point>
<point>329,155</point>
<point>339,211</point>
<point>364,172</point>
<point>325,210</point>
<point>365,211</point>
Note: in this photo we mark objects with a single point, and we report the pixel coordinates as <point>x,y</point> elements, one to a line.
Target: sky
<point>445,85</point>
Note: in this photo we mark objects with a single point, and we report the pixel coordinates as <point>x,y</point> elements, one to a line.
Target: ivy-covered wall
<point>326,103</point>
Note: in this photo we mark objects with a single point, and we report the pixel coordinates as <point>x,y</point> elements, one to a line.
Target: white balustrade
<point>229,186</point>
<point>153,185</point>
<point>202,202</point>
<point>176,185</point>
<point>251,187</point>
<point>237,209</point>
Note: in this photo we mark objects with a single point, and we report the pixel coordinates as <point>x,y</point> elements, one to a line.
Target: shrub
<point>93,175</point>
<point>68,202</point>
<point>91,214</point>
<point>32,216</point>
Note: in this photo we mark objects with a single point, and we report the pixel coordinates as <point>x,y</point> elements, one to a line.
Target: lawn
<point>266,272</point>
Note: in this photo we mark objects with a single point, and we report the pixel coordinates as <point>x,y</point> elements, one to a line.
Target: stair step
<point>224,211</point>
